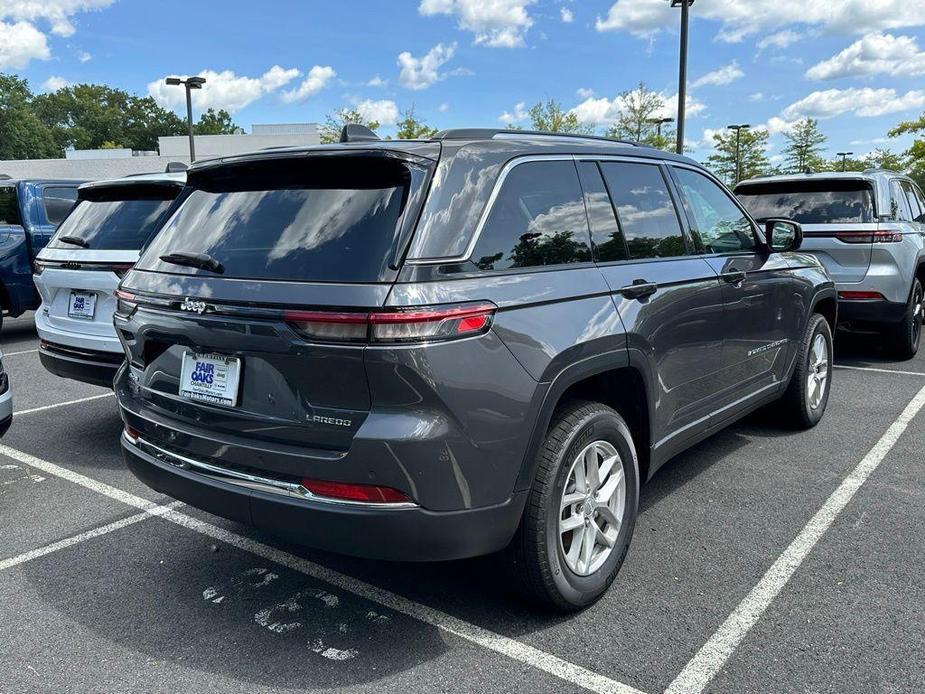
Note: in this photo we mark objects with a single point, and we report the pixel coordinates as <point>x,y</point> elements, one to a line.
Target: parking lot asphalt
<point>764,560</point>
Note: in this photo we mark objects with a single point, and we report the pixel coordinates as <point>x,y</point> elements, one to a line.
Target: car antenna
<point>354,132</point>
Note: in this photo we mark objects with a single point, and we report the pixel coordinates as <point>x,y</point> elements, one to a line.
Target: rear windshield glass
<point>115,219</point>
<point>811,202</point>
<point>333,219</point>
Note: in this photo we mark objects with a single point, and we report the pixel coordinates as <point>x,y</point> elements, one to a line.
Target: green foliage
<point>805,144</point>
<point>641,108</point>
<point>915,155</point>
<point>410,128</point>
<point>550,117</point>
<point>334,123</point>
<point>753,160</point>
<point>22,134</point>
<point>886,159</point>
<point>214,122</point>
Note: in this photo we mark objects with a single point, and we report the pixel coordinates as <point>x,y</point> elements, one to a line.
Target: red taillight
<point>122,269</point>
<point>125,302</point>
<point>869,236</point>
<point>857,296</point>
<point>365,493</point>
<point>132,434</point>
<point>419,324</point>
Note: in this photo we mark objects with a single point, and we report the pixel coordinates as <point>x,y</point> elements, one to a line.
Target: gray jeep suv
<point>428,350</point>
<point>868,230</point>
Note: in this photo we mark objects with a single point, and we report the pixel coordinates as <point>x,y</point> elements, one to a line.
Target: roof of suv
<point>867,175</point>
<point>175,179</point>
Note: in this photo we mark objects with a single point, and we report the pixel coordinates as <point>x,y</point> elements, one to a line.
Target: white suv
<point>80,268</point>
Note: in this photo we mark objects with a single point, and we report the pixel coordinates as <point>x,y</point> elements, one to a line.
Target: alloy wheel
<point>817,379</point>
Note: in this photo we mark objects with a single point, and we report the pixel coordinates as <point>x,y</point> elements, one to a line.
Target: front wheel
<point>581,509</point>
<point>808,392</point>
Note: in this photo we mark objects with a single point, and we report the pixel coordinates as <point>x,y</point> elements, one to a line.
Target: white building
<point>261,136</point>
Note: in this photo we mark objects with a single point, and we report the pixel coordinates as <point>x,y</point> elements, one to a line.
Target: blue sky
<point>857,65</point>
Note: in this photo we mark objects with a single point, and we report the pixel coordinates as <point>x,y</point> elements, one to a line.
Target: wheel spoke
<point>569,524</point>
<point>592,469</point>
<point>613,482</point>
<point>572,498</point>
<point>607,515</point>
<point>607,467</point>
<point>602,537</point>
<point>581,483</point>
<point>587,547</point>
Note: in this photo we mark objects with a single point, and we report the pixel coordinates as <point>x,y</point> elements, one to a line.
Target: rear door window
<point>9,206</point>
<point>606,237</point>
<point>899,205</point>
<point>58,201</point>
<point>537,219</point>
<point>645,210</point>
<point>720,224</point>
<point>120,218</point>
<point>810,202</point>
<point>335,219</point>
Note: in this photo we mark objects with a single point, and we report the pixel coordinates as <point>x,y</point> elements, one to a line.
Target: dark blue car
<point>30,211</point>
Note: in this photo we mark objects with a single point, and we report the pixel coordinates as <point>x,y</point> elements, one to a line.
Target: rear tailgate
<point>844,249</point>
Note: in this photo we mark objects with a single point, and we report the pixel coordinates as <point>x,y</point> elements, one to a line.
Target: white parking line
<point>880,371</point>
<point>541,660</point>
<point>63,404</point>
<point>155,510</point>
<point>711,658</point>
<point>24,351</point>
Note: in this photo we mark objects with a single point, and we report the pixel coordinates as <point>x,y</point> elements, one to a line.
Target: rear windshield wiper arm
<point>201,260</point>
<point>76,240</point>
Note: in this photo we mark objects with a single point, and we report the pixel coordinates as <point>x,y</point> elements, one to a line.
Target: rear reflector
<point>869,236</point>
<point>856,296</point>
<point>365,493</point>
<point>419,324</point>
<point>131,434</point>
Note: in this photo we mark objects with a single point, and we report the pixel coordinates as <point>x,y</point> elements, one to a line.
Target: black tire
<point>535,555</point>
<point>796,402</point>
<point>905,336</point>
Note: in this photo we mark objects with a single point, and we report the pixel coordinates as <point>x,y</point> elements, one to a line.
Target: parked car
<point>427,350</point>
<point>30,210</point>
<point>80,268</point>
<point>6,400</point>
<point>868,229</point>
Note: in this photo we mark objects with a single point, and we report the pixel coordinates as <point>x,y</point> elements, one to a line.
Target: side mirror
<point>782,235</point>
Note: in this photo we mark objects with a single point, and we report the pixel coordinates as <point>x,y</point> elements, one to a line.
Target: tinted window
<point>918,196</point>
<point>914,206</point>
<point>645,210</point>
<point>58,202</point>
<point>606,237</point>
<point>810,202</point>
<point>538,218</point>
<point>9,206</point>
<point>899,206</point>
<point>335,219</point>
<point>116,219</point>
<point>718,221</point>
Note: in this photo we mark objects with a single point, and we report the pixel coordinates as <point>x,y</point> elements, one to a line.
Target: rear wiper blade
<point>201,260</point>
<point>76,240</point>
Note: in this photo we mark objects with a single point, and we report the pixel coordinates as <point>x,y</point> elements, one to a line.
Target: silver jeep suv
<point>868,229</point>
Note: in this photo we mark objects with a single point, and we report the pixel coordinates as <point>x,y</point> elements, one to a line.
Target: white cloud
<point>384,111</point>
<point>567,15</point>
<point>872,141</point>
<point>872,55</point>
<point>316,80</point>
<point>740,19</point>
<point>421,73</point>
<point>57,13</point>
<point>377,81</point>
<point>495,23</point>
<point>603,111</point>
<point>20,43</point>
<point>54,83</point>
<point>519,115</point>
<point>443,108</point>
<point>722,76</point>
<point>757,96</point>
<point>864,102</point>
<point>223,89</point>
<point>584,93</point>
<point>780,39</point>
<point>84,57</point>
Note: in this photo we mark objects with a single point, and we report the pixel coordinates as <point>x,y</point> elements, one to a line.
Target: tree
<point>22,134</point>
<point>915,155</point>
<point>410,128</point>
<point>804,146</point>
<point>885,159</point>
<point>550,117</point>
<point>753,160</point>
<point>214,122</point>
<point>640,109</point>
<point>335,122</point>
<point>145,121</point>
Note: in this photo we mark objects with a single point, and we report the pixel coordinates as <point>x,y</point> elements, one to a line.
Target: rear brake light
<point>125,302</point>
<point>857,296</point>
<point>132,434</point>
<point>869,236</point>
<point>363,493</point>
<point>419,324</point>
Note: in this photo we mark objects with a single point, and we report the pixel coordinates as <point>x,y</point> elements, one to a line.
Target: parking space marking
<point>23,351</point>
<point>63,404</point>
<point>879,371</point>
<point>84,536</point>
<point>712,656</point>
<point>503,645</point>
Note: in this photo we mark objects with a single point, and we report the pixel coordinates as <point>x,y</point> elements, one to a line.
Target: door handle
<point>639,289</point>
<point>734,277</point>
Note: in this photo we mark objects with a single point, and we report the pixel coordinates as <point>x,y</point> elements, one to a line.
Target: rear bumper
<point>88,366</point>
<point>397,534</point>
<point>6,410</point>
<point>870,311</point>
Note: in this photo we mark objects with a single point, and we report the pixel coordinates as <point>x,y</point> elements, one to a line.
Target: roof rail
<point>491,133</point>
<point>880,169</point>
<point>5,177</point>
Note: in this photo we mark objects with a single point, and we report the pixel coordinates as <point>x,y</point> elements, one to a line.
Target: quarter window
<point>58,202</point>
<point>645,210</point>
<point>9,206</point>
<point>899,206</point>
<point>718,221</point>
<point>914,207</point>
<point>537,219</point>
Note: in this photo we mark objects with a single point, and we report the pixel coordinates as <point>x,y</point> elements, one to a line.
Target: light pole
<point>738,128</point>
<point>190,83</point>
<point>658,122</point>
<point>844,156</point>
<point>685,6</point>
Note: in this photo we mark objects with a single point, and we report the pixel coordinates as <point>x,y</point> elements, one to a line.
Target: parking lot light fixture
<point>658,123</point>
<point>685,6</point>
<point>738,129</point>
<point>844,156</point>
<point>189,83</point>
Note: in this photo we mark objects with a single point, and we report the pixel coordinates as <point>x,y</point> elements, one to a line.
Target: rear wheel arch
<point>828,307</point>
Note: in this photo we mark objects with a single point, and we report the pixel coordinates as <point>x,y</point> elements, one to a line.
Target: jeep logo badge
<point>193,305</point>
